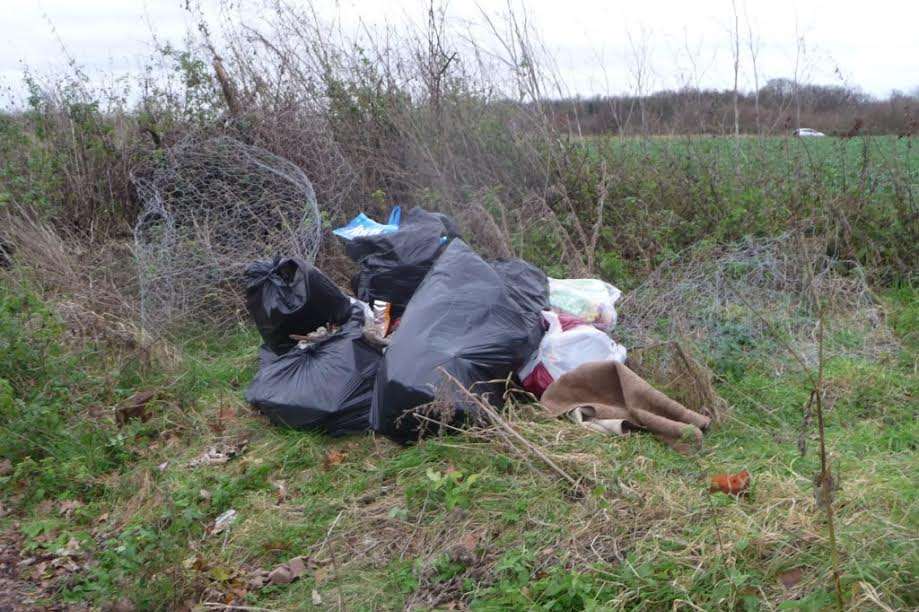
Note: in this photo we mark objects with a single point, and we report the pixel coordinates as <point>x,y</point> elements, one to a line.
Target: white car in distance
<point>808,133</point>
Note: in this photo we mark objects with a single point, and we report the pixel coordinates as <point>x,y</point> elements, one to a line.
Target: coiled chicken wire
<point>210,207</point>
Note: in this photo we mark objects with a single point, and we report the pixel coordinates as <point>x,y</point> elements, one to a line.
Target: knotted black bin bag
<point>477,321</point>
<point>392,265</point>
<point>289,296</point>
<point>326,385</point>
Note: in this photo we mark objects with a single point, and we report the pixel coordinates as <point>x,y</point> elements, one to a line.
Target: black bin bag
<point>393,265</point>
<point>289,296</point>
<point>477,321</point>
<point>327,385</point>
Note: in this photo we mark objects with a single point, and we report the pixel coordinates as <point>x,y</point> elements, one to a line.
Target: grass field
<point>666,194</point>
<point>453,521</point>
<point>873,166</point>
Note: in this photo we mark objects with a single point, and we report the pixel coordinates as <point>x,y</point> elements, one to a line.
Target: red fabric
<point>538,380</point>
<point>569,321</point>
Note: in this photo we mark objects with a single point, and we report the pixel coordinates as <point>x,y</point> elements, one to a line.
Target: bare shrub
<point>71,153</point>
<point>434,116</point>
<point>416,116</point>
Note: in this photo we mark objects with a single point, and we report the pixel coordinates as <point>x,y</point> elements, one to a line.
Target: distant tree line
<point>779,107</point>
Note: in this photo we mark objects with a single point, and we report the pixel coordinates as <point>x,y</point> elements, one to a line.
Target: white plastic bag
<point>562,351</point>
<point>589,299</point>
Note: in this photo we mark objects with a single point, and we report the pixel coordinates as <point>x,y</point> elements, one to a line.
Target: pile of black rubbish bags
<point>426,304</point>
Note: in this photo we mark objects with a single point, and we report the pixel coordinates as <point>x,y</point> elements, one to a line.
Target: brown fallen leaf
<point>237,593</point>
<point>281,486</point>
<point>67,507</point>
<point>6,467</point>
<point>790,578</point>
<point>297,567</point>
<point>280,575</point>
<point>463,552</point>
<point>333,457</point>
<point>732,484</point>
<point>135,407</point>
<point>196,563</point>
<point>257,579</point>
<point>288,572</point>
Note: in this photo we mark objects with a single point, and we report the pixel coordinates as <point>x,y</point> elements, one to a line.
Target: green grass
<point>666,194</point>
<point>381,523</point>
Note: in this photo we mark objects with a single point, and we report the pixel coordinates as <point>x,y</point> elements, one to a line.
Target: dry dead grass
<point>91,286</point>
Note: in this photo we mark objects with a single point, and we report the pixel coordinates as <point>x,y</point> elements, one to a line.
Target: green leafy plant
<point>453,486</point>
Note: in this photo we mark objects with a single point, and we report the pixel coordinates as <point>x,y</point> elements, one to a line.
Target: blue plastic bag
<point>362,225</point>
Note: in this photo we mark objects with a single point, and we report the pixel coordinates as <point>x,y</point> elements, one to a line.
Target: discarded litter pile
<point>429,313</point>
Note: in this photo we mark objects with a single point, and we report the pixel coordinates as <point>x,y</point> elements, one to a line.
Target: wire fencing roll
<point>209,208</point>
<point>759,295</point>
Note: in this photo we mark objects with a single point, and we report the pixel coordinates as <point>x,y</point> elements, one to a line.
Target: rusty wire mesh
<point>210,207</point>
<point>758,295</point>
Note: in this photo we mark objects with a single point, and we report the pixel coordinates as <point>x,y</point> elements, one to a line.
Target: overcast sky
<point>873,45</point>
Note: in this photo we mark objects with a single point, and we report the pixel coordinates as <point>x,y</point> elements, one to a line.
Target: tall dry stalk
<point>736,52</point>
<point>753,45</point>
<point>824,483</point>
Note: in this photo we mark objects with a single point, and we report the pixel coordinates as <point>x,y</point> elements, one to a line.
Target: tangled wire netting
<point>762,294</point>
<point>210,207</point>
